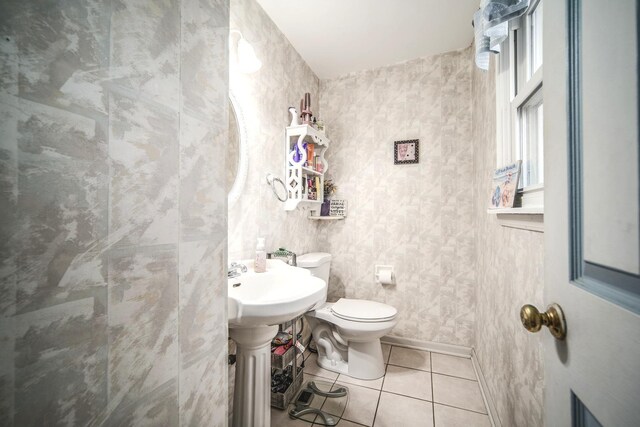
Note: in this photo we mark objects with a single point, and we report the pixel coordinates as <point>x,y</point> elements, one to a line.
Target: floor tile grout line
<point>362,386</point>
<point>405,395</point>
<point>407,367</point>
<point>352,422</point>
<point>438,373</point>
<point>454,376</point>
<point>462,409</point>
<point>433,397</point>
<point>375,414</point>
<point>433,401</point>
<point>431,359</point>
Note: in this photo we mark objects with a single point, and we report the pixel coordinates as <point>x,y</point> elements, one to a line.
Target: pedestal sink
<point>257,303</point>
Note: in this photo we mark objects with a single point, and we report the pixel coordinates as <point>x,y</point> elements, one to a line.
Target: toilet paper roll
<point>385,277</point>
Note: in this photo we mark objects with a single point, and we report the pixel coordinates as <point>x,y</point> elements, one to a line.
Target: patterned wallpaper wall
<point>416,217</point>
<point>510,273</point>
<point>113,121</point>
<point>265,97</point>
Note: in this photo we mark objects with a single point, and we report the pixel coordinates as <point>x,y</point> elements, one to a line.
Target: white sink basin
<point>275,296</point>
<point>257,302</point>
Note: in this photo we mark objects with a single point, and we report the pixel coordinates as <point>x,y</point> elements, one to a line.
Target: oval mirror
<point>237,152</point>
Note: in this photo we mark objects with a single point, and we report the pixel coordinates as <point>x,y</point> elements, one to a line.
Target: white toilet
<point>347,333</point>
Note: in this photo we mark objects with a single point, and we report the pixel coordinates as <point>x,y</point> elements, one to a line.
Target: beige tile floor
<point>419,388</point>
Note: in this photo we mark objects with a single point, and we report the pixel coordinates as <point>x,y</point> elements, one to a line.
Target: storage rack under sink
<point>281,362</point>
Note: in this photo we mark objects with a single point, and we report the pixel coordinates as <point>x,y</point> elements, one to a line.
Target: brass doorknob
<point>553,318</point>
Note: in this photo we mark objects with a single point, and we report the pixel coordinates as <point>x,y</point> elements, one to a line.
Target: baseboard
<point>454,350</point>
<point>488,401</point>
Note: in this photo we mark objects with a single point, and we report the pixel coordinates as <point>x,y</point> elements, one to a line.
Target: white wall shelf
<point>310,171</point>
<point>301,175</point>
<point>325,218</point>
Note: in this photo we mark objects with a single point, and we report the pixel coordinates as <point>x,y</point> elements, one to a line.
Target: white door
<point>592,239</point>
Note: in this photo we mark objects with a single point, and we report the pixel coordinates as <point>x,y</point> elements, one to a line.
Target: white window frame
<point>511,95</point>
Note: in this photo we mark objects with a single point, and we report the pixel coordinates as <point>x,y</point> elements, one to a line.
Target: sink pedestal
<point>252,394</point>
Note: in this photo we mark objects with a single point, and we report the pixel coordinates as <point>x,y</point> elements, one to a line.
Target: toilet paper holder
<point>384,275</point>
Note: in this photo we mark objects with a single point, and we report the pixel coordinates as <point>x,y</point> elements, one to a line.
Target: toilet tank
<point>318,263</point>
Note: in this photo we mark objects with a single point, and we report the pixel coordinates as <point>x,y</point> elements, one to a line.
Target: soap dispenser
<point>260,265</point>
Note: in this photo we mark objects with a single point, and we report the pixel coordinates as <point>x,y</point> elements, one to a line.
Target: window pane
<point>530,148</point>
<point>535,40</point>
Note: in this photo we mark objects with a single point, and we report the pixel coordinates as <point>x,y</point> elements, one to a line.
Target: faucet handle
<point>234,265</point>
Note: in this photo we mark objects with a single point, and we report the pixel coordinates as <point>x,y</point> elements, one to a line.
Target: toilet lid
<point>363,310</point>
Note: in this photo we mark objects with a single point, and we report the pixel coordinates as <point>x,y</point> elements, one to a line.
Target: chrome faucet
<point>236,269</point>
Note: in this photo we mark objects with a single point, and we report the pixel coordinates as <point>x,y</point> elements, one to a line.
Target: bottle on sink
<point>260,265</point>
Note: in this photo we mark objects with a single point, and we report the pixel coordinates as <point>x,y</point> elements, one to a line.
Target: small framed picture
<point>405,152</point>
<point>338,207</point>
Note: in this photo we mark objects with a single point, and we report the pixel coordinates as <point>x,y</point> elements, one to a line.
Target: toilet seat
<point>357,310</point>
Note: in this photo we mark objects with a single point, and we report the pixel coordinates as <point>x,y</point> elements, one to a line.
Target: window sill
<point>526,218</point>
<point>533,210</point>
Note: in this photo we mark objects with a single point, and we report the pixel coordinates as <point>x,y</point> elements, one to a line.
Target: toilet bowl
<point>347,333</point>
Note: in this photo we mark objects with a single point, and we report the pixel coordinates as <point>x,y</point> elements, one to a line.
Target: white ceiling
<point>336,37</point>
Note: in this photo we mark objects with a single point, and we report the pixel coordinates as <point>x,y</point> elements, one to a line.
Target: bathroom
<point>123,205</point>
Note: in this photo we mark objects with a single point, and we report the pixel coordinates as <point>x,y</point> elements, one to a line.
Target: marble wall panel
<point>144,169</point>
<point>510,273</point>
<point>203,334</point>
<point>203,107</point>
<point>414,217</point>
<point>144,122</point>
<point>62,183</point>
<point>158,407</point>
<point>203,390</point>
<point>198,323</point>
<point>94,156</point>
<point>7,373</point>
<point>60,362</point>
<point>143,321</point>
<point>203,59</point>
<point>203,213</point>
<point>202,183</point>
<point>56,184</point>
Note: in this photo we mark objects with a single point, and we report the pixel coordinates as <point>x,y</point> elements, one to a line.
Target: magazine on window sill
<point>505,186</point>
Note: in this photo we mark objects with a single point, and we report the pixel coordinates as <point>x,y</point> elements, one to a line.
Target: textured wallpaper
<point>265,97</point>
<point>510,273</point>
<point>113,121</point>
<point>416,217</point>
